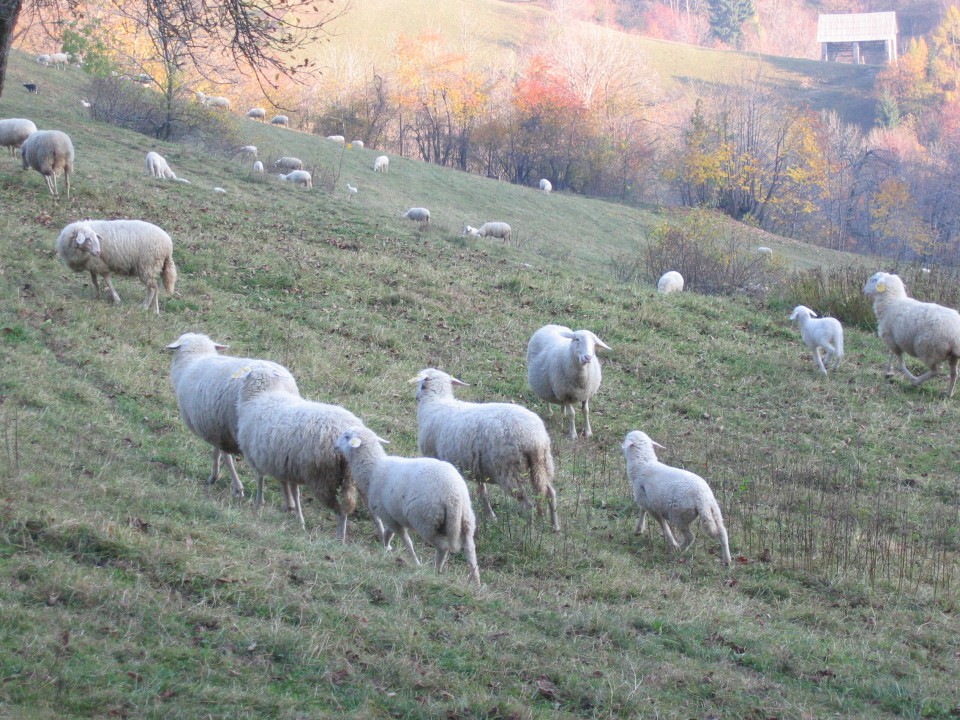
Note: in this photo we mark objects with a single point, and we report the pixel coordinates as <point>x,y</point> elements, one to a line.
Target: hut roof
<point>856,27</point>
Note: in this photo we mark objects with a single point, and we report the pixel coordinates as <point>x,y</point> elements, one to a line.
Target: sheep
<point>352,189</point>
<point>292,439</point>
<point>247,152</point>
<point>220,190</point>
<point>49,152</point>
<point>489,442</point>
<point>207,394</point>
<point>491,229</point>
<point>562,368</point>
<point>926,331</point>
<point>425,495</point>
<point>281,120</point>
<point>298,177</point>
<point>133,248</point>
<point>258,167</point>
<point>214,101</point>
<point>158,168</point>
<point>417,214</point>
<point>546,186</point>
<point>288,163</point>
<point>60,59</point>
<point>357,144</point>
<point>32,88</point>
<point>763,250</point>
<point>671,495</point>
<point>257,114</point>
<point>13,131</point>
<point>670,281</point>
<point>826,333</point>
<point>381,164</point>
<point>337,139</point>
<point>44,59</point>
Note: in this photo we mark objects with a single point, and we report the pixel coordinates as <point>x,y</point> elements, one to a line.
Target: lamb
<point>158,168</point>
<point>425,495</point>
<point>357,144</point>
<point>13,131</point>
<point>220,190</point>
<point>258,167</point>
<point>381,164</point>
<point>207,394</point>
<point>417,214</point>
<point>826,333</point>
<point>257,114</point>
<point>490,229</point>
<point>546,186</point>
<point>337,139</point>
<point>763,250</point>
<point>562,368</point>
<point>247,152</point>
<point>926,331</point>
<point>60,59</point>
<point>293,440</point>
<point>671,495</point>
<point>298,177</point>
<point>44,59</point>
<point>281,120</point>
<point>489,442</point>
<point>133,248</point>
<point>49,152</point>
<point>670,281</point>
<point>352,189</point>
<point>288,163</point>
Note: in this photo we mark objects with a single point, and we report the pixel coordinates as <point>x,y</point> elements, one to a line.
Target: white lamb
<point>562,368</point>
<point>247,152</point>
<point>381,164</point>
<point>44,59</point>
<point>763,250</point>
<point>425,495</point>
<point>487,442</point>
<point>257,114</point>
<point>158,168</point>
<point>671,281</point>
<point>490,229</point>
<point>297,177</point>
<point>207,393</point>
<point>417,214</point>
<point>292,439</point>
<point>337,139</point>
<point>13,131</point>
<point>133,248</point>
<point>357,144</point>
<point>258,167</point>
<point>288,163</point>
<point>50,153</point>
<point>545,186</point>
<point>826,333</point>
<point>60,59</point>
<point>671,495</point>
<point>281,120</point>
<point>926,331</point>
<point>217,101</point>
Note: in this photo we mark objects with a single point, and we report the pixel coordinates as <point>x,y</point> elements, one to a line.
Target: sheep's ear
<point>381,440</point>
<point>601,343</point>
<point>567,334</point>
<point>175,345</point>
<point>218,346</point>
<point>656,444</point>
<point>414,379</point>
<point>459,383</point>
<point>812,313</point>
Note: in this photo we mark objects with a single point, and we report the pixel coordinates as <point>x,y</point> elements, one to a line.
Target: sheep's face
<point>87,240</point>
<point>583,345</point>
<point>638,445</point>
<point>352,439</point>
<point>801,312</point>
<point>876,284</point>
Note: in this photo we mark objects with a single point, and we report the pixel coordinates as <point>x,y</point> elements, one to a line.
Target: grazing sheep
<point>826,333</point>
<point>13,131</point>
<point>381,164</point>
<point>288,163</point>
<point>60,60</point>
<point>490,229</point>
<point>671,495</point>
<point>488,442</point>
<point>133,248</point>
<point>247,152</point>
<point>763,250</point>
<point>292,439</point>
<point>49,152</point>
<point>258,167</point>
<point>44,59</point>
<point>257,114</point>
<point>357,144</point>
<point>220,190</point>
<point>417,214</point>
<point>926,331</point>
<point>562,368</point>
<point>158,168</point>
<point>297,177</point>
<point>281,120</point>
<point>207,394</point>
<point>546,186</point>
<point>425,495</point>
<point>32,88</point>
<point>216,101</point>
<point>670,281</point>
<point>337,139</point>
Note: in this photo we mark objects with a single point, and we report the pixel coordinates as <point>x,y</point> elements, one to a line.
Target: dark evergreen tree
<point>727,18</point>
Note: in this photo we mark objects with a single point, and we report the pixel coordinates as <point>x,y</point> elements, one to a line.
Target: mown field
<point>132,589</point>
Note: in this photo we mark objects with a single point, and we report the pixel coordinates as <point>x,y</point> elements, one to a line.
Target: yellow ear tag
<point>881,286</point>
<point>241,372</point>
<point>355,442</point>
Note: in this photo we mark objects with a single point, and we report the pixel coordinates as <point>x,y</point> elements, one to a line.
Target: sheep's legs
<point>295,493</point>
<point>151,299</point>
<point>953,375</point>
<point>482,492</point>
<point>889,371</point>
<point>913,378</point>
<point>552,505</point>
<point>341,524</point>
<point>405,536</point>
<point>641,523</point>
<point>573,419</point>
<point>819,361</point>
<point>665,528</point>
<point>236,487</point>
<point>112,289</point>
<point>585,407</point>
<point>688,537</point>
<point>470,553</point>
<point>440,559</point>
<point>96,283</point>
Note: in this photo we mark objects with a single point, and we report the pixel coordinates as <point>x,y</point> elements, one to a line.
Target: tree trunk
<point>9,12</point>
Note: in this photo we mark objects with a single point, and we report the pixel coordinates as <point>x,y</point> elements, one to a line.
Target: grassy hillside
<point>132,589</point>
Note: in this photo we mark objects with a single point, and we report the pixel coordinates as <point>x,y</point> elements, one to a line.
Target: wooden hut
<point>860,38</point>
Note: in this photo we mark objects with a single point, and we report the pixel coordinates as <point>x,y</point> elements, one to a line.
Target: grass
<point>132,589</point>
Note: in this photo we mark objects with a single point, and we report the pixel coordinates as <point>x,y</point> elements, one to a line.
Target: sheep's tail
<point>453,525</point>
<point>713,524</point>
<point>838,345</point>
<point>540,464</point>
<point>169,274</point>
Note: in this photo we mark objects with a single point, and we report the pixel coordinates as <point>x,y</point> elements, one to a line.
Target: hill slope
<point>132,589</point>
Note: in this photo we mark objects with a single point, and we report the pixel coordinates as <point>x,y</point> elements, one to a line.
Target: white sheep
<point>546,186</point>
<point>258,167</point>
<point>158,168</point>
<point>357,144</point>
<point>671,495</point>
<point>381,164</point>
<point>297,177</point>
<point>207,393</point>
<point>257,114</point>
<point>417,214</point>
<point>926,331</point>
<point>491,229</point>
<point>215,101</point>
<point>60,59</point>
<point>222,191</point>
<point>763,250</point>
<point>488,442</point>
<point>292,439</point>
<point>352,189</point>
<point>132,248</point>
<point>288,163</point>
<point>247,152</point>
<point>281,120</point>
<point>562,368</point>
<point>671,281</point>
<point>44,59</point>
<point>425,495</point>
<point>49,152</point>
<point>13,131</point>
<point>826,333</point>
<point>340,139</point>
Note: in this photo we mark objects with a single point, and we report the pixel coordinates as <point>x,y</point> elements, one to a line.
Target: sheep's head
<point>583,345</point>
<point>882,283</point>
<point>86,239</point>
<point>258,377</point>
<point>639,446</point>
<point>802,312</point>
<point>195,342</point>
<point>435,383</point>
<point>352,439</point>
